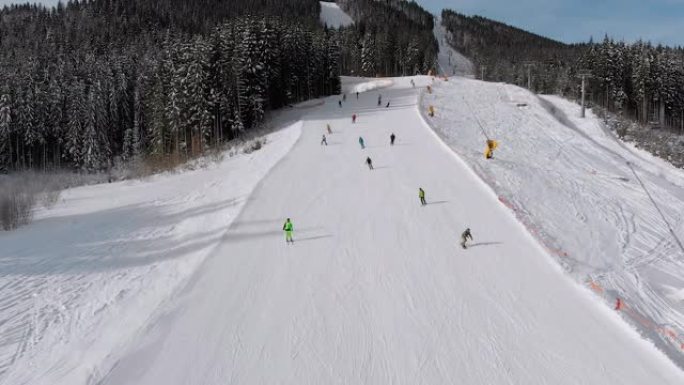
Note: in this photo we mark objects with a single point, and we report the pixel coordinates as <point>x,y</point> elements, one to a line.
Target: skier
<point>363,145</point>
<point>353,118</point>
<point>339,102</point>
<point>421,195</point>
<point>387,106</point>
<point>413,84</point>
<point>369,162</point>
<point>288,228</point>
<point>379,100</point>
<point>329,129</point>
<point>344,97</point>
<point>357,95</point>
<point>324,141</point>
<point>464,238</point>
<point>392,137</point>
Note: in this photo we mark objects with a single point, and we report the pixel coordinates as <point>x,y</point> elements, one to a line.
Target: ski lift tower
<point>529,66</point>
<point>584,75</point>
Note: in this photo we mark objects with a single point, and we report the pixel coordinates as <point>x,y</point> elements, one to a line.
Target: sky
<point>660,21</point>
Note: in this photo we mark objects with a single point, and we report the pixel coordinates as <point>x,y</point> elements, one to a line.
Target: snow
<point>85,276</point>
<point>450,62</point>
<point>186,278</point>
<point>569,181</point>
<point>352,85</point>
<point>375,289</point>
<point>333,16</point>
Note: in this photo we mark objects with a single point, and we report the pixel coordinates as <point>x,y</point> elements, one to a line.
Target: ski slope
<point>334,17</point>
<point>375,289</point>
<point>568,180</point>
<point>449,61</point>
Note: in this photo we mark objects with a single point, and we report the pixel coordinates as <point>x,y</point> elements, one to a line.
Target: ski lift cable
<point>476,119</point>
<point>674,235</point>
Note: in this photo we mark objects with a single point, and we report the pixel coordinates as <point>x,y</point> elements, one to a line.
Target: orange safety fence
<point>666,332</point>
<point>620,305</point>
<point>646,323</point>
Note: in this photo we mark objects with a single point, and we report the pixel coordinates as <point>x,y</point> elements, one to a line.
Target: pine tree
<point>75,115</point>
<point>137,112</point>
<point>332,65</point>
<point>162,79</point>
<point>368,52</point>
<point>254,77</point>
<point>90,149</point>
<point>5,134</point>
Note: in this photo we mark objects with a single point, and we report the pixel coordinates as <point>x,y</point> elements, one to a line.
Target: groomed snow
<point>333,16</point>
<point>352,85</point>
<point>449,61</point>
<point>375,289</point>
<point>77,283</point>
<point>569,182</point>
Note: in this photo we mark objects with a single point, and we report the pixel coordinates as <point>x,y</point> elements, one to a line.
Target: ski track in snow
<point>450,62</point>
<point>375,289</point>
<point>333,16</point>
<point>569,180</point>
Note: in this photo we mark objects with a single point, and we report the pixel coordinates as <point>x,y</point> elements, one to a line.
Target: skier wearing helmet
<point>465,236</point>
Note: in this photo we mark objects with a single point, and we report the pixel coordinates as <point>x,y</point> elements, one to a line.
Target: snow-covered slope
<point>333,16</point>
<point>450,62</point>
<point>79,281</point>
<point>375,289</point>
<point>569,181</point>
<point>173,281</point>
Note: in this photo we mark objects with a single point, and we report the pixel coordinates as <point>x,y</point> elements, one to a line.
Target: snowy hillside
<point>449,61</point>
<point>570,182</point>
<point>187,279</point>
<point>375,288</point>
<point>333,16</point>
<point>78,282</point>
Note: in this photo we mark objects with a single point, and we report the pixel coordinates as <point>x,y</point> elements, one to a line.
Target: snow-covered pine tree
<point>75,117</point>
<point>26,120</point>
<point>196,83</point>
<point>253,72</point>
<point>368,56</point>
<point>641,76</point>
<point>90,149</point>
<point>332,65</point>
<point>136,136</point>
<point>5,134</point>
<point>57,112</point>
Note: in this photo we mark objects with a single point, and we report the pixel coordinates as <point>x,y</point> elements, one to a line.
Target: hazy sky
<point>661,21</point>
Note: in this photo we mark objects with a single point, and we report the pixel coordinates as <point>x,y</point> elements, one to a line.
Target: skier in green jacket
<point>288,228</point>
<point>421,195</point>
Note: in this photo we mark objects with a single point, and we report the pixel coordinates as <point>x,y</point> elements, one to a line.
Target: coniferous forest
<point>639,81</point>
<point>90,83</point>
<point>390,38</point>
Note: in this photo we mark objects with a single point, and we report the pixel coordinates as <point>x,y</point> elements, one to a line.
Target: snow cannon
<point>491,146</point>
